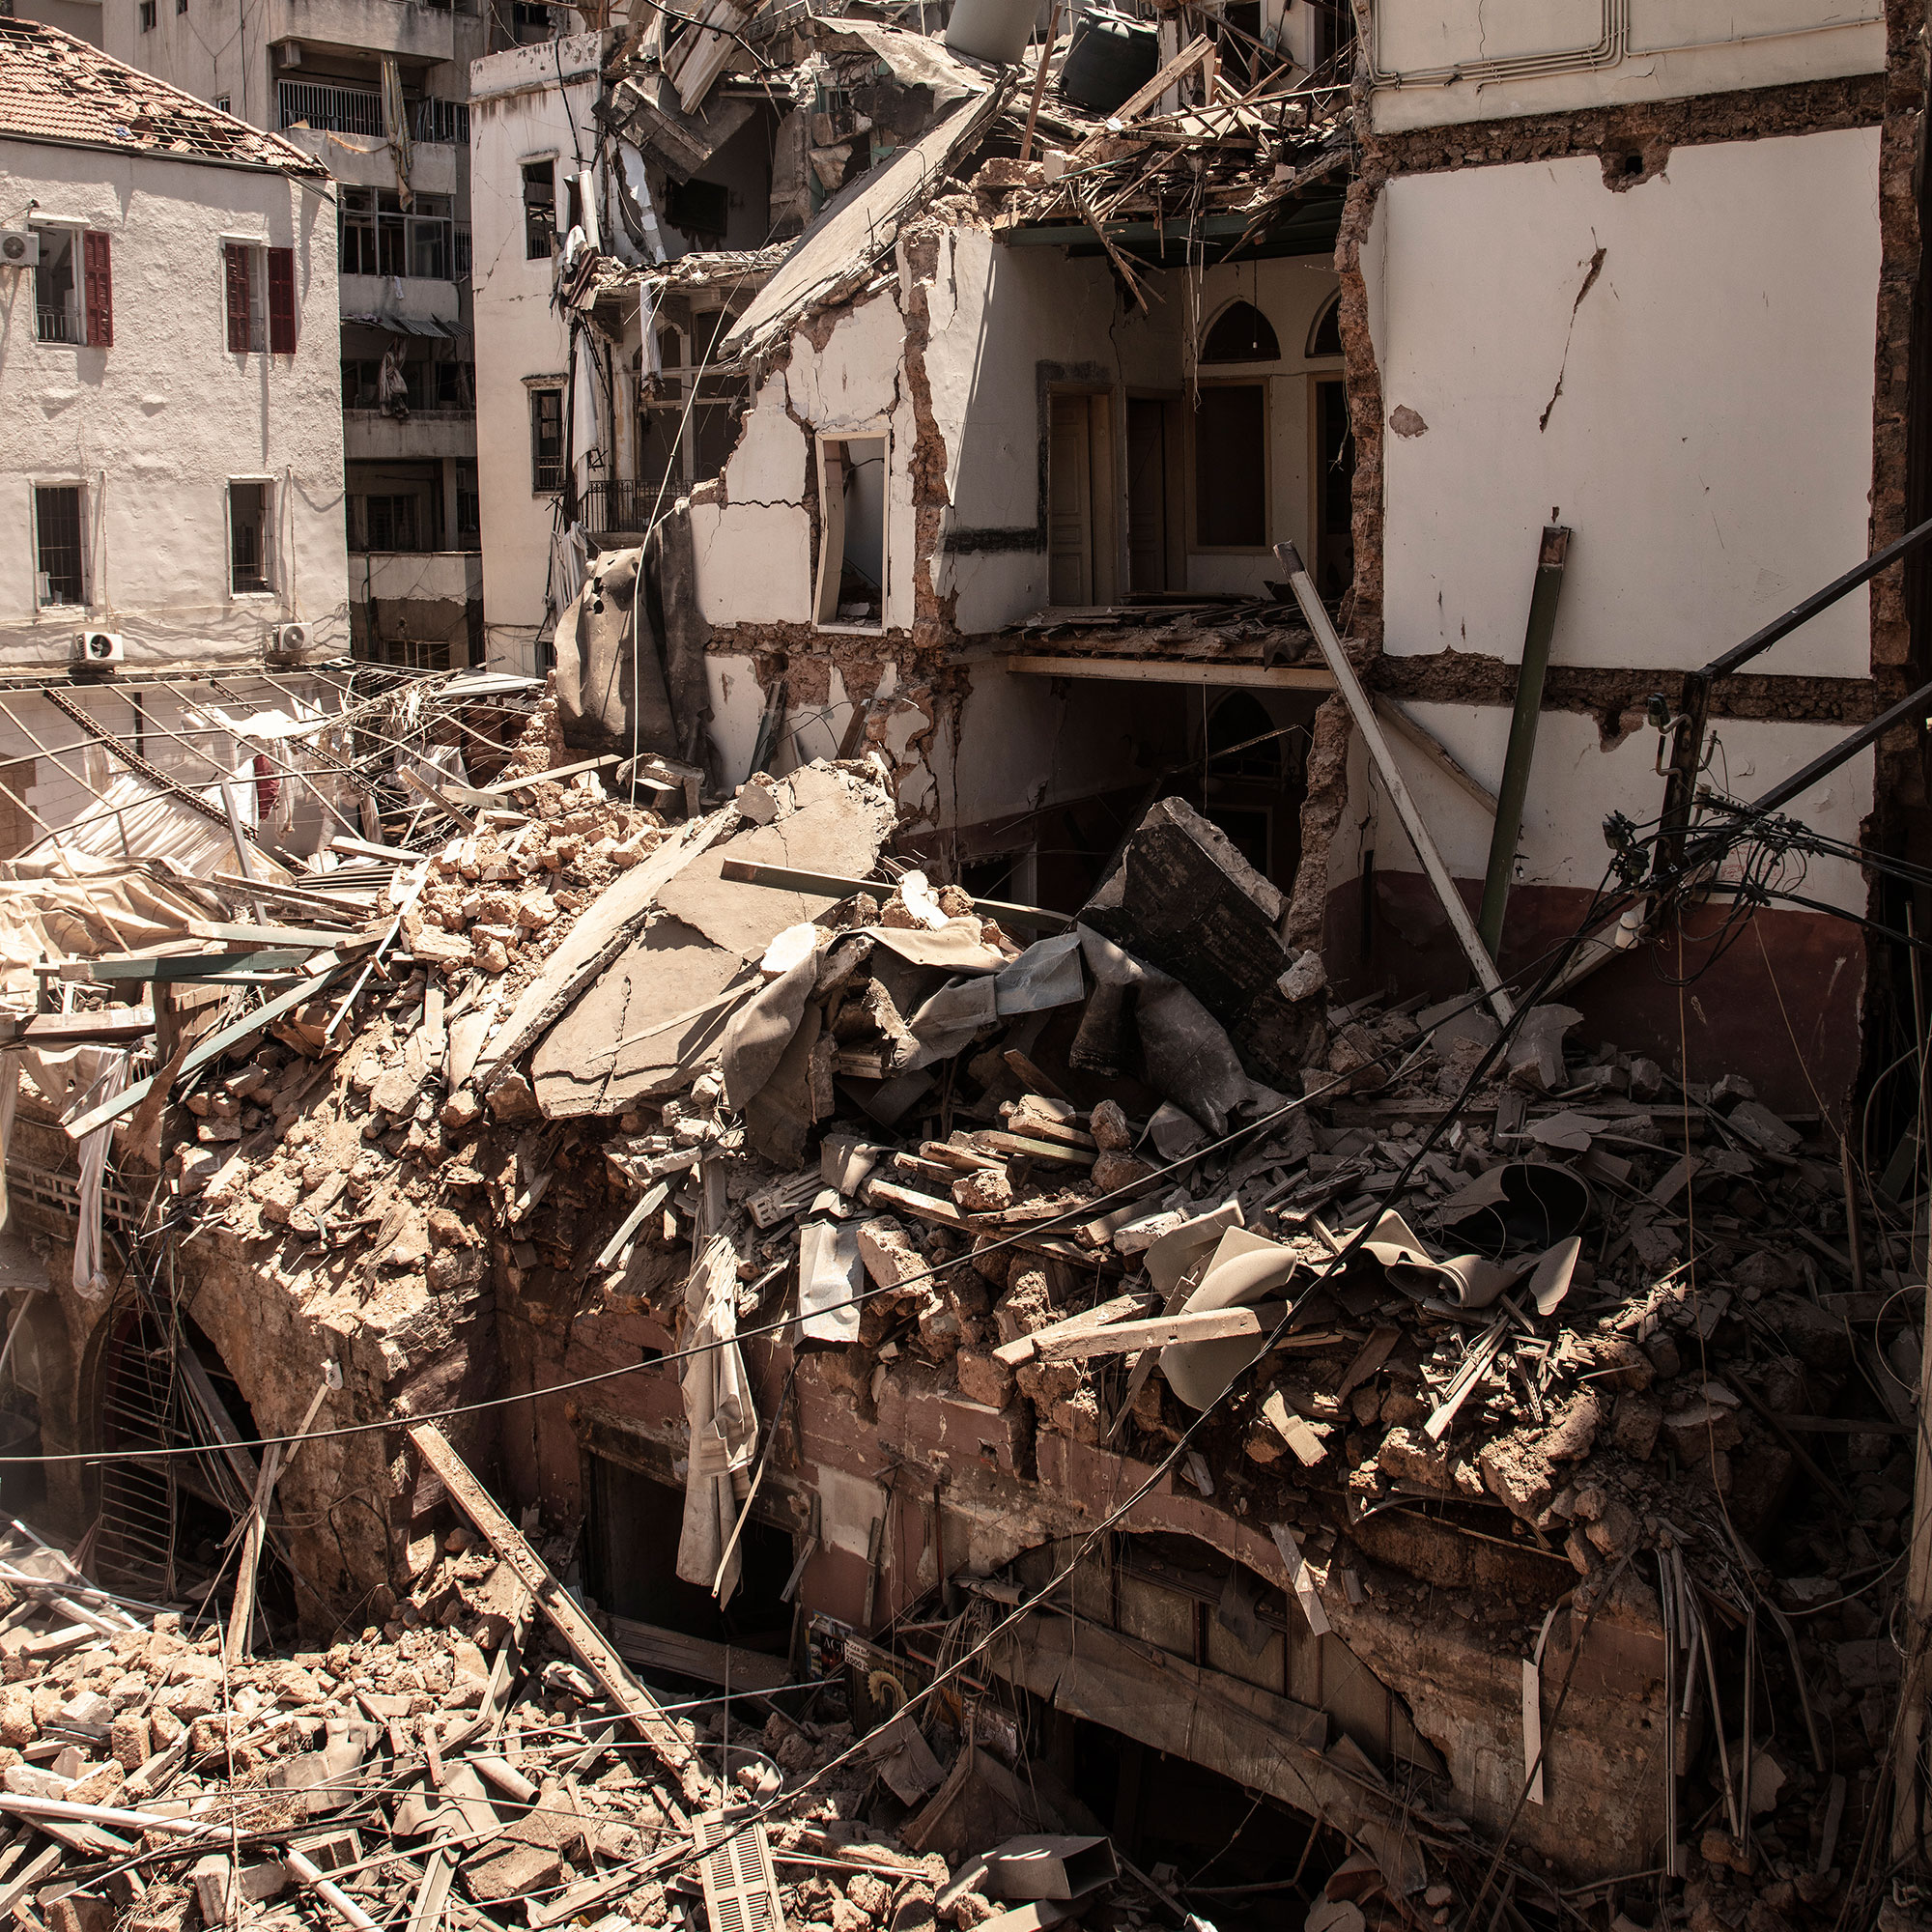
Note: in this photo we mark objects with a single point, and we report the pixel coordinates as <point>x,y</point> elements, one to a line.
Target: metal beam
<point>1551,555</point>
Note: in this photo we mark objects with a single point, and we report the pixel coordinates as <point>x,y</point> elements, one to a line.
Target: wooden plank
<point>1200,48</point>
<point>1170,670</point>
<point>245,934</point>
<point>113,1026</point>
<point>213,1047</point>
<point>582,1636</point>
<point>1055,1153</point>
<point>1160,1331</point>
<point>171,966</point>
<point>1023,1349</point>
<point>652,1648</point>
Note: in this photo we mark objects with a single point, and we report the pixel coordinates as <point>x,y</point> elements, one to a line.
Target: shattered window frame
<point>539,207</point>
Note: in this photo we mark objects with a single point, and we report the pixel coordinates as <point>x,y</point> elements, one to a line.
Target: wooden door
<point>1147,494</point>
<point>1069,500</point>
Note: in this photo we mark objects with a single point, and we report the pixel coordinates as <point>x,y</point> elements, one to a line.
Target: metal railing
<point>612,505</point>
<point>441,123</point>
<point>333,110</point>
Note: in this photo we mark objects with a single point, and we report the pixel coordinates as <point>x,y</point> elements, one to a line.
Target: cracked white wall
<point>1435,57</point>
<point>528,104</point>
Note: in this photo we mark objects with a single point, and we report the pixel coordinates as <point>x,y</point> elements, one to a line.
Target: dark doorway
<point>1147,494</point>
<point>631,1565</point>
<point>1334,492</point>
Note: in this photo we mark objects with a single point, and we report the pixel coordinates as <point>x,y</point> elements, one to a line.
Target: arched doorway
<point>1251,777</point>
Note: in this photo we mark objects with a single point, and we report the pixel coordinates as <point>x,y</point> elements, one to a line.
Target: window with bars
<point>60,546</point>
<point>545,440</point>
<point>250,564</point>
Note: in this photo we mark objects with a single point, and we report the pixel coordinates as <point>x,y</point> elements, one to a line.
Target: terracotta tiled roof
<point>56,88</point>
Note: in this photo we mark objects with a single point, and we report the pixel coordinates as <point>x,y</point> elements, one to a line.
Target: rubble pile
<point>160,1784</point>
<point>1378,1279</point>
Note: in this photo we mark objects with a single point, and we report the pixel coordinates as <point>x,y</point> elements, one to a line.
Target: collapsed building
<point>923,1124</point>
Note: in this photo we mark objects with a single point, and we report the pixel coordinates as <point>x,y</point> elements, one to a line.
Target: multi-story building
<point>377,91</point>
<point>169,433</point>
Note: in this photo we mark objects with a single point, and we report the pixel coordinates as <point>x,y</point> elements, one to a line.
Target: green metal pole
<point>1550,557</point>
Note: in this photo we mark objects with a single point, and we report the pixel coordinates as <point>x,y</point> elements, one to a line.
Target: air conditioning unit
<point>287,642</point>
<point>97,647</point>
<point>19,248</point>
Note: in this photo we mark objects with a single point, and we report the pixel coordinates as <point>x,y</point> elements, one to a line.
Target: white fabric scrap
<point>722,1421</point>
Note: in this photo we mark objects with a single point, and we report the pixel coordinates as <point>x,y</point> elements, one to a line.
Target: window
<point>852,531</point>
<point>389,523</point>
<point>545,440</point>
<point>1240,333</point>
<point>56,303</point>
<point>60,549</point>
<point>1325,337</point>
<point>221,104</point>
<point>73,288</point>
<point>530,21</point>
<point>250,567</point>
<point>259,293</point>
<point>468,508</point>
<point>375,237</point>
<point>147,16</point>
<point>539,210</point>
<point>1231,466</point>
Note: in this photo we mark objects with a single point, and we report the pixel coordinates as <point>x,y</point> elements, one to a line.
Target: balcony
<point>414,306</point>
<point>616,507</point>
<point>391,577</point>
<point>369,436</point>
<point>410,31</point>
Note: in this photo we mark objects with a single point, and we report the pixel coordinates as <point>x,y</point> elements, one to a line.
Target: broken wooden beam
<point>577,1630</point>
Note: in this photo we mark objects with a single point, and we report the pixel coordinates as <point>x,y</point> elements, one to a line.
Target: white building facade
<point>170,427</point>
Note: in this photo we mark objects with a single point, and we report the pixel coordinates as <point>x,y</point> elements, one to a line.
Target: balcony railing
<point>612,506</point>
<point>441,122</point>
<point>359,110</point>
<point>58,324</point>
<point>333,110</point>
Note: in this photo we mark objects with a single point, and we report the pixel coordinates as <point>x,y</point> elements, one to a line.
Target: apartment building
<point>171,509</point>
<point>377,91</point>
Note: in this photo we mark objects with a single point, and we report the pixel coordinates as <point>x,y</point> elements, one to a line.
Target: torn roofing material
<point>54,87</point>
<point>835,254</point>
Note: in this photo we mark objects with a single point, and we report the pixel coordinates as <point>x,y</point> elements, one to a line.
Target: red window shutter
<point>282,302</point>
<point>99,289</point>
<point>237,253</point>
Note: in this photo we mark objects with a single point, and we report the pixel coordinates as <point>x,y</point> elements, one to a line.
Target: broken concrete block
<point>130,1741</point>
<point>888,1252</point>
<point>512,1875</point>
<point>985,1190</point>
<point>1112,1169</point>
<point>84,1912</point>
<point>984,1378</point>
<point>1303,980</point>
<point>1110,1128</point>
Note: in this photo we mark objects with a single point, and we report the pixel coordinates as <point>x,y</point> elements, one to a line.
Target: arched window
<point>1325,337</point>
<point>1241,333</point>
